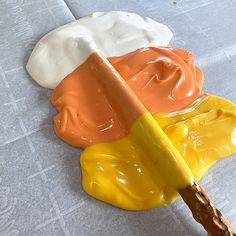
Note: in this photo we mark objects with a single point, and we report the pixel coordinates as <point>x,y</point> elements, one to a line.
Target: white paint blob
<point>113,33</point>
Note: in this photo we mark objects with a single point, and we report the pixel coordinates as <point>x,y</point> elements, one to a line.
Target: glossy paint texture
<point>113,33</point>
<point>140,151</point>
<point>164,79</point>
<point>95,104</point>
<point>124,174</point>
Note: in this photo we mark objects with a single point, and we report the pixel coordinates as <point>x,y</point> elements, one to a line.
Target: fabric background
<point>40,178</point>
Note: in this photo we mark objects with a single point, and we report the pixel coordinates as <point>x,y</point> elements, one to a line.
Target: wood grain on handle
<point>204,211</point>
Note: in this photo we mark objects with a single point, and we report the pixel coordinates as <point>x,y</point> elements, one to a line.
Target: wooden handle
<point>204,211</point>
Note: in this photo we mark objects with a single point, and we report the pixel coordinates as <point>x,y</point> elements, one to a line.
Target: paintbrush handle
<point>172,166</point>
<point>204,211</point>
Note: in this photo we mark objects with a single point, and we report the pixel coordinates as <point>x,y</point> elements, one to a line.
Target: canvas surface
<point>40,178</point>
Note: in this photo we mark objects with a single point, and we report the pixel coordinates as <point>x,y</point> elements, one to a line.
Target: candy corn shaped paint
<point>135,105</point>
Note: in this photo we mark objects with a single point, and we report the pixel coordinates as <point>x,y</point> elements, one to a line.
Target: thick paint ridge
<point>113,33</point>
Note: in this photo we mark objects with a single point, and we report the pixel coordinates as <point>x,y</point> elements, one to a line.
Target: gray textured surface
<point>40,191</point>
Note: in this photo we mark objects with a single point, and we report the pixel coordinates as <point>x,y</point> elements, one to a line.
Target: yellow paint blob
<point>126,174</point>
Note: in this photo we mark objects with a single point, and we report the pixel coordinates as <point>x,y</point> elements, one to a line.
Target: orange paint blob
<point>90,111</point>
<point>165,79</point>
